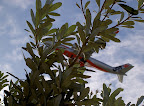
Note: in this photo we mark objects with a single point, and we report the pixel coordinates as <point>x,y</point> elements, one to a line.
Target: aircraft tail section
<point>121,70</point>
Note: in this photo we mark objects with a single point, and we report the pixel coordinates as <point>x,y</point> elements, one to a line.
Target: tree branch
<point>103,6</point>
<point>82,9</point>
<point>110,9</point>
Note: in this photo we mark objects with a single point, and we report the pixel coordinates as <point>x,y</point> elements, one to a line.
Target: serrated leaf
<point>129,9</point>
<point>140,100</point>
<point>55,6</point>
<point>87,3</point>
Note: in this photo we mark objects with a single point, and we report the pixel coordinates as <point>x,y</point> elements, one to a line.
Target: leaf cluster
<point>55,80</point>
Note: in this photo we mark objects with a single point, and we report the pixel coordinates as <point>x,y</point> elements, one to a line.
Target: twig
<point>126,18</point>
<point>103,6</point>
<point>82,9</point>
<point>110,9</point>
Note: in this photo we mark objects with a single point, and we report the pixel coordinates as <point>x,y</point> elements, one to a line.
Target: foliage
<point>3,82</point>
<point>65,85</point>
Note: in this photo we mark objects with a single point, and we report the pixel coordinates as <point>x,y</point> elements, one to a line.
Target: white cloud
<point>15,55</point>
<point>20,3</point>
<point>5,68</point>
<point>10,27</point>
<point>130,50</point>
<point>19,41</point>
<point>1,7</point>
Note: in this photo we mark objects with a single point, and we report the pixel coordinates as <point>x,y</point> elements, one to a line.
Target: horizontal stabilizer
<point>121,70</point>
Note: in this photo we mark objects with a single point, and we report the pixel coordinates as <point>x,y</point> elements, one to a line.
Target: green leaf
<point>88,21</point>
<point>78,39</point>
<point>139,20</point>
<point>97,30</point>
<point>29,49</point>
<point>83,93</point>
<point>81,33</point>
<point>111,38</point>
<point>128,23</point>
<point>87,3</point>
<point>140,100</point>
<point>33,17</point>
<point>97,21</point>
<point>98,3</point>
<point>70,29</point>
<point>66,79</point>
<point>47,70</point>
<point>119,102</point>
<point>58,100</point>
<point>68,39</point>
<point>45,10</point>
<point>54,14</point>
<point>49,1</point>
<point>38,4</point>
<point>31,64</point>
<point>108,3</point>
<point>31,27</point>
<point>122,16</point>
<point>114,94</point>
<point>140,2</point>
<point>55,6</point>
<point>107,22</point>
<point>128,26</point>
<point>129,9</point>
<point>51,31</point>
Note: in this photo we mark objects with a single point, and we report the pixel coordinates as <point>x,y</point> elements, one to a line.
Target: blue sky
<point>13,16</point>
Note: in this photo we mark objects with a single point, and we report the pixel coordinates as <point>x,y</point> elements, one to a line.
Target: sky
<point>13,16</point>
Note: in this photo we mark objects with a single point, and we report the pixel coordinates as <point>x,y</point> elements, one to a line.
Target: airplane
<point>91,62</point>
